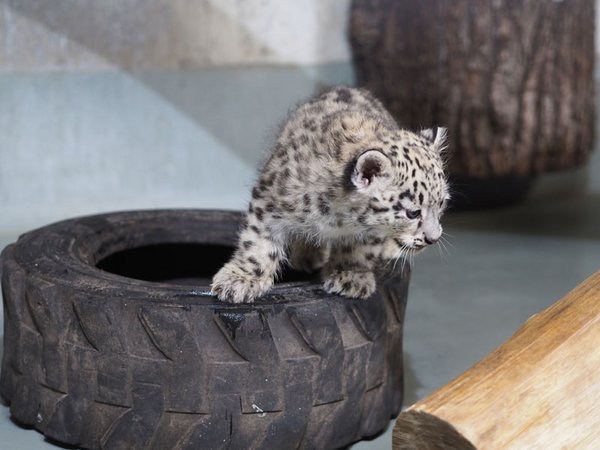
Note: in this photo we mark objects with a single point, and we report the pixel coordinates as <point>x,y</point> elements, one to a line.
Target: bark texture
<point>512,80</point>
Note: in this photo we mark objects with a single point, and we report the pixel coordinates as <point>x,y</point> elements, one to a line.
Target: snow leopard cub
<point>344,189</point>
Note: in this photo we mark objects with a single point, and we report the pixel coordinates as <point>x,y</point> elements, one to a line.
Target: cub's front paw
<point>350,284</point>
<point>233,285</point>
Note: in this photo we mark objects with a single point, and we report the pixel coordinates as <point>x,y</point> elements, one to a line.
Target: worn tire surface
<point>112,341</point>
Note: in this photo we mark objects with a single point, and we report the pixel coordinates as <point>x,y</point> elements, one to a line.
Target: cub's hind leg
<point>306,256</point>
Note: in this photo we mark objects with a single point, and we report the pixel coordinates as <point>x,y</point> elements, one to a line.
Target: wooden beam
<point>540,389</point>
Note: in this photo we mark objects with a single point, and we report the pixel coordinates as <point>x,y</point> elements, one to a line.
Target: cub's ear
<point>371,169</point>
<point>437,138</point>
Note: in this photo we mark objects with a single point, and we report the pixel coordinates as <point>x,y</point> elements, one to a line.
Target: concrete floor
<point>500,267</point>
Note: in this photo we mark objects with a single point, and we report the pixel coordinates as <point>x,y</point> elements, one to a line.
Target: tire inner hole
<point>185,264</point>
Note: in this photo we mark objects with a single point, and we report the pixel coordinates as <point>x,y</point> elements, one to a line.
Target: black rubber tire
<point>101,360</point>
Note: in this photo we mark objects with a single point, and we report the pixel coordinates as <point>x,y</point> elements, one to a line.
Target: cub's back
<point>340,101</point>
<point>313,140</point>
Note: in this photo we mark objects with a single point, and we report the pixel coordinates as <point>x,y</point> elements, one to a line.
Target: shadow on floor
<point>574,217</point>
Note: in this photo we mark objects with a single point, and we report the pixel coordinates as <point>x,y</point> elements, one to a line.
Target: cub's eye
<point>413,214</point>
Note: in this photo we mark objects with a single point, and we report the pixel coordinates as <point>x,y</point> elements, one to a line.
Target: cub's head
<point>401,186</point>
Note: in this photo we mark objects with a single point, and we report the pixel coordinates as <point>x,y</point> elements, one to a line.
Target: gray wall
<point>125,104</point>
<point>170,34</point>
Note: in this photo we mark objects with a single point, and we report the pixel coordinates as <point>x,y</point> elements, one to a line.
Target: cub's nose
<point>432,236</point>
<point>431,231</point>
<point>431,240</point>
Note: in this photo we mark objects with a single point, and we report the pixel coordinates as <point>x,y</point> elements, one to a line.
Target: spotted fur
<point>344,188</point>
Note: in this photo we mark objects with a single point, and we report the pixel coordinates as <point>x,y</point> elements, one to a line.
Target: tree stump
<point>512,80</point>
